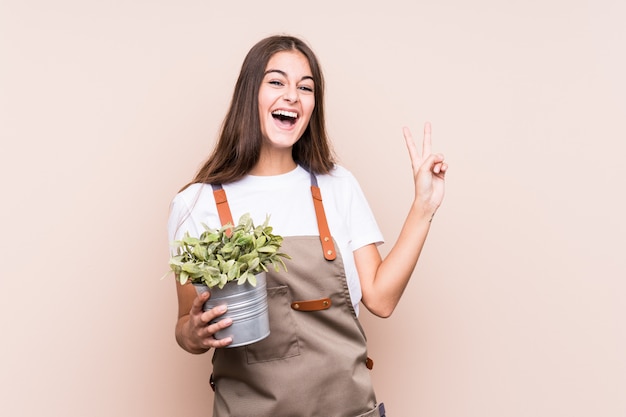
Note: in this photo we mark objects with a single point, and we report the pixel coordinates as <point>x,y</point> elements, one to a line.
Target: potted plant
<point>231,262</point>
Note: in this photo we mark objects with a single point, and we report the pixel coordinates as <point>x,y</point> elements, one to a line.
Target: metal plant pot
<point>247,307</point>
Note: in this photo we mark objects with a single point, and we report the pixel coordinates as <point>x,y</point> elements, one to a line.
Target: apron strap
<point>223,209</point>
<point>328,246</point>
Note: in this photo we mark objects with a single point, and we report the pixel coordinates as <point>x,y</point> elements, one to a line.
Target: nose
<point>291,95</point>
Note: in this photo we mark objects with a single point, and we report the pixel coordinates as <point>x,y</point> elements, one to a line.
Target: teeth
<point>285,113</point>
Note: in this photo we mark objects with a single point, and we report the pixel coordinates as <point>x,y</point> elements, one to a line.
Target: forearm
<point>394,272</point>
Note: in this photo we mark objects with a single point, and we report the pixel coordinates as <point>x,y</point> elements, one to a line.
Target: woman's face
<point>286,99</point>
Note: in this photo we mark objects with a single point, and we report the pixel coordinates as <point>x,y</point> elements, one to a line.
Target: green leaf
<point>183,277</point>
<point>254,264</point>
<point>252,279</point>
<point>210,236</point>
<point>233,272</point>
<point>246,221</point>
<point>267,221</point>
<point>228,248</point>
<point>260,241</point>
<point>212,270</point>
<point>190,268</point>
<point>201,252</point>
<point>248,257</point>
<point>188,240</point>
<point>267,249</point>
<point>282,263</point>
<point>223,280</point>
<point>235,253</point>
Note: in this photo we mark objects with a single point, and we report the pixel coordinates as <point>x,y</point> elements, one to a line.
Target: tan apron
<point>314,362</point>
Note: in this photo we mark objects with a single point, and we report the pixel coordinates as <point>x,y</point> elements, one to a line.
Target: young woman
<point>271,156</point>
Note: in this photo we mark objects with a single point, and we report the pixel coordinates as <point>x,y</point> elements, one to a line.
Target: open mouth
<point>284,117</point>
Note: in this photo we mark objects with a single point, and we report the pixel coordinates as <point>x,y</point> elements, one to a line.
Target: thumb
<point>432,160</point>
<point>198,302</point>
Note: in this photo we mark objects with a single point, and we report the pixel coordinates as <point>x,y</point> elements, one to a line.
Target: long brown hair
<point>239,145</point>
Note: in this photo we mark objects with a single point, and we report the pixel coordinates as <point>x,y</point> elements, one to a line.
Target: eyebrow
<point>284,74</point>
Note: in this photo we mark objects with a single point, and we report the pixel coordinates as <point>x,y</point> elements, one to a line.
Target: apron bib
<point>314,362</point>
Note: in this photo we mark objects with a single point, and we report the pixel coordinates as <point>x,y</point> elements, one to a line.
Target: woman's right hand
<point>193,331</point>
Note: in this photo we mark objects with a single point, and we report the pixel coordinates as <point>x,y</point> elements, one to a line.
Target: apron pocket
<point>282,341</point>
<point>378,411</point>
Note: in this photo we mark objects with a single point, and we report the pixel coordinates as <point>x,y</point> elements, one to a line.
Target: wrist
<point>424,212</point>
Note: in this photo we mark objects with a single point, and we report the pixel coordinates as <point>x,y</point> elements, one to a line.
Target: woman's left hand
<point>429,171</point>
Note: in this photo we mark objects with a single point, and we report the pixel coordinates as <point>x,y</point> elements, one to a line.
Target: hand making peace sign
<point>429,171</point>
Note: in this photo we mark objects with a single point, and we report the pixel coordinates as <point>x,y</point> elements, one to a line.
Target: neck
<point>274,163</point>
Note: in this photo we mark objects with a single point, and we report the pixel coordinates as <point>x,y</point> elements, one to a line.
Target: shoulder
<point>192,193</point>
<point>190,199</point>
<point>338,178</point>
<point>340,171</point>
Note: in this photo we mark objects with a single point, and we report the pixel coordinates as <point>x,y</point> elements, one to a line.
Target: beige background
<point>517,306</point>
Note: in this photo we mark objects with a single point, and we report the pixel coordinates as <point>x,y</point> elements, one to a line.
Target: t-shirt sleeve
<point>180,220</point>
<point>178,211</point>
<point>362,224</point>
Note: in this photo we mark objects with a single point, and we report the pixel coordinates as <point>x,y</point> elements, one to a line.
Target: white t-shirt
<point>287,200</point>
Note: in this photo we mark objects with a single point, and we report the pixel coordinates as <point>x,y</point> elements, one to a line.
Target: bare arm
<point>384,281</point>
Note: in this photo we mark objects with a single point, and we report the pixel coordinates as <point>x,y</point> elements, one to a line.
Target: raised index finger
<point>427,143</point>
<point>410,144</point>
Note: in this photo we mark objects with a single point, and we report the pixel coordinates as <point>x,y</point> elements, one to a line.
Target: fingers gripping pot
<point>247,307</point>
